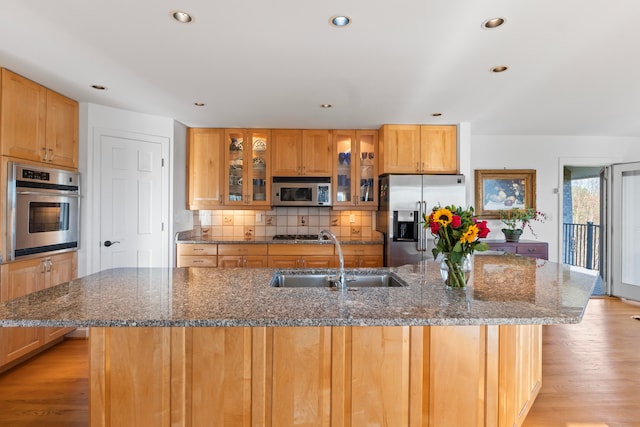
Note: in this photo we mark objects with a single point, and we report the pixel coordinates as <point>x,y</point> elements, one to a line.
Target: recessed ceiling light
<point>99,87</point>
<point>436,114</point>
<point>493,23</point>
<point>326,105</point>
<point>499,69</point>
<point>181,16</point>
<point>199,104</point>
<point>340,21</point>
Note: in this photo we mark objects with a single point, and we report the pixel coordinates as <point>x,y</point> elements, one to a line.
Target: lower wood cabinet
<point>197,255</point>
<point>21,278</point>
<point>362,256</point>
<point>242,255</point>
<point>301,256</point>
<point>437,376</point>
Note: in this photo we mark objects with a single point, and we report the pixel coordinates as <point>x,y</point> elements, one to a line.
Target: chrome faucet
<point>341,279</point>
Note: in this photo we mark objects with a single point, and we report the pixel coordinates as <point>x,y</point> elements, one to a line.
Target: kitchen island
<point>206,346</point>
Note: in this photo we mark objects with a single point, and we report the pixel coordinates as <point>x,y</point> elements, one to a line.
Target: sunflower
<point>470,235</point>
<point>443,216</point>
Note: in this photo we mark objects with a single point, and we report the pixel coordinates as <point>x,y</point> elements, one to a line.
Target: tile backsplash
<point>253,224</point>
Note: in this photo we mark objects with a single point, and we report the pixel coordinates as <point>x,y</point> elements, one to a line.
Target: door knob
<point>108,243</point>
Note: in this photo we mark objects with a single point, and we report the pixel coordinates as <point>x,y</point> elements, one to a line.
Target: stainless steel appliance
<point>403,201</point>
<point>298,237</point>
<point>42,210</point>
<point>301,191</point>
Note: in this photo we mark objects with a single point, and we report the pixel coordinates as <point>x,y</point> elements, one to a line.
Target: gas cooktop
<point>297,237</point>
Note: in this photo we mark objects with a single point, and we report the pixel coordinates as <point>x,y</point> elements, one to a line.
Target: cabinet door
<point>61,130</point>
<point>230,261</point>
<point>258,182</point>
<point>366,178</point>
<point>399,149</point>
<point>235,167</point>
<point>283,261</point>
<point>204,170</point>
<point>62,268</point>
<point>286,154</point>
<point>344,160</point>
<point>439,152</point>
<point>18,279</point>
<point>320,261</point>
<point>255,261</point>
<point>317,148</point>
<point>22,120</point>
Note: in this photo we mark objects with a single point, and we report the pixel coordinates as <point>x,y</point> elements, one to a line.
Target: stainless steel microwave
<point>301,191</point>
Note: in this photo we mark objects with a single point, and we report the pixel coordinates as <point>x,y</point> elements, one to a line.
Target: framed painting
<point>502,189</point>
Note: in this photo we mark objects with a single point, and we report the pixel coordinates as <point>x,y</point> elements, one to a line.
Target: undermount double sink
<point>323,279</point>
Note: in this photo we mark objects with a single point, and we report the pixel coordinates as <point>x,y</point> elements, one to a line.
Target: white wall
<point>96,117</point>
<point>547,155</point>
<point>182,218</point>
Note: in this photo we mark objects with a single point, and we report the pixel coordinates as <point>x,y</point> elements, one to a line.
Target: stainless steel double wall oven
<point>42,210</point>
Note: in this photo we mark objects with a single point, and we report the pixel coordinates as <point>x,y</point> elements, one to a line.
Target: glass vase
<point>455,274</point>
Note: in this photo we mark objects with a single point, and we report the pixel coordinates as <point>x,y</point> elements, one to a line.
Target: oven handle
<point>37,193</point>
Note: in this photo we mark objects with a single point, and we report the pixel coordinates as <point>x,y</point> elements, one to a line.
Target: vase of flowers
<point>516,219</point>
<point>458,233</point>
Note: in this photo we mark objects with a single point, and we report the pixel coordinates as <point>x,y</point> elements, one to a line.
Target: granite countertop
<point>504,289</point>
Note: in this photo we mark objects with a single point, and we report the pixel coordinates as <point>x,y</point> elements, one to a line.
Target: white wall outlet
<point>258,218</point>
<point>352,218</point>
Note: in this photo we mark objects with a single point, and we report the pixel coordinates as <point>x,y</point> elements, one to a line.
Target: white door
<point>625,230</point>
<point>131,207</point>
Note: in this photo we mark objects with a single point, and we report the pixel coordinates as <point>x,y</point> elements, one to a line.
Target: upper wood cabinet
<point>248,165</point>
<point>36,123</point>
<point>355,168</point>
<point>301,153</point>
<point>205,158</point>
<point>418,149</point>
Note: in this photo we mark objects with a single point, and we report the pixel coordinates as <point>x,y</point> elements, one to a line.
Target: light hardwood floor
<point>590,377</point>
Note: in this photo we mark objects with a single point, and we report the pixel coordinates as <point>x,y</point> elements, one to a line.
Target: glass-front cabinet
<point>354,181</point>
<point>247,181</point>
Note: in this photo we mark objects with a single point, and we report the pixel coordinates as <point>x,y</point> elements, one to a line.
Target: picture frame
<point>503,189</point>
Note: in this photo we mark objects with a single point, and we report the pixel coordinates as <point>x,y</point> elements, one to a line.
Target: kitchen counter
<point>228,349</point>
<point>504,289</point>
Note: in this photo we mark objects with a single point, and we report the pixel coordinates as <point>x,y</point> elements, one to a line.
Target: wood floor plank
<point>49,390</point>
<point>591,371</point>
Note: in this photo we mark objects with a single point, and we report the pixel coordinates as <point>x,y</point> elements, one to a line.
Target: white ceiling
<point>574,64</point>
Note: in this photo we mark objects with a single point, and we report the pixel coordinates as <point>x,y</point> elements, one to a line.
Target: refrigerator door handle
<point>419,240</point>
<point>423,232</point>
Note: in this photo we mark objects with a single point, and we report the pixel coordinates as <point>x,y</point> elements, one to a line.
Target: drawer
<point>538,250</point>
<point>362,249</point>
<point>296,249</point>
<point>510,249</point>
<point>197,249</point>
<point>197,261</point>
<point>240,249</point>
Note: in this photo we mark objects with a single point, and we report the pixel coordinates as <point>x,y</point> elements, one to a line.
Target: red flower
<point>435,227</point>
<point>483,231</point>
<point>456,221</point>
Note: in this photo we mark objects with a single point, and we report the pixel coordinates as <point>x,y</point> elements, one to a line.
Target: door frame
<point>614,217</point>
<point>92,193</point>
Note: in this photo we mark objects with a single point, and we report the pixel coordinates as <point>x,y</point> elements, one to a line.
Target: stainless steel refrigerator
<point>403,200</point>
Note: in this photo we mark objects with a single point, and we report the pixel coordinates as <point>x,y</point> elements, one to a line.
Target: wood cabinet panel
<point>317,149</point>
<point>362,256</point>
<point>61,130</point>
<point>286,156</point>
<point>242,249</point>
<point>21,278</point>
<point>355,169</point>
<point>439,149</point>
<point>36,123</point>
<point>418,149</point>
<point>243,261</point>
<point>437,376</point>
<point>205,158</point>
<point>300,249</point>
<point>247,168</point>
<point>23,117</point>
<point>197,249</point>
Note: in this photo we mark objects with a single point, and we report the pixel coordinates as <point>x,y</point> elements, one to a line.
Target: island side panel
<point>135,366</point>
